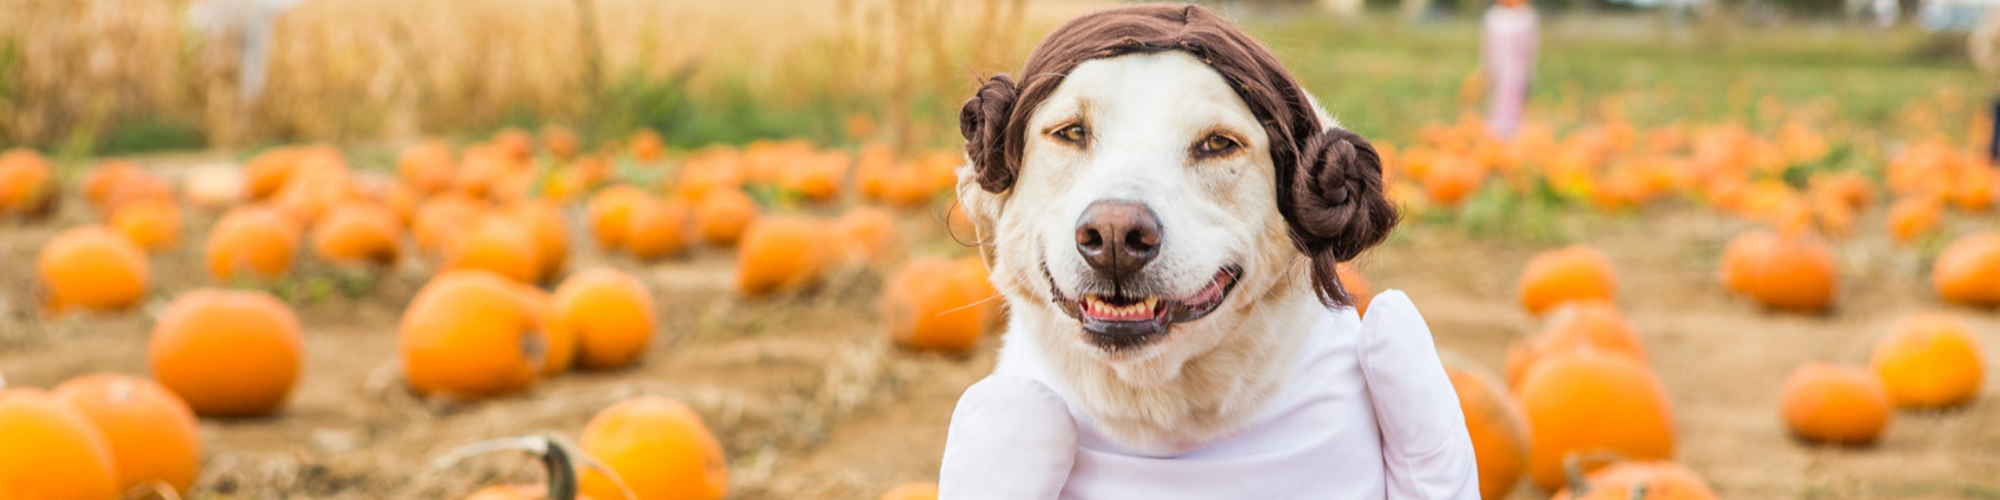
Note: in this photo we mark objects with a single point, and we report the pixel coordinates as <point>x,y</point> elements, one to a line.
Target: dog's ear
<point>1337,206</point>
<point>984,123</point>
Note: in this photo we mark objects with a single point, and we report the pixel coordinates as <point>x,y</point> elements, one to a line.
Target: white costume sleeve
<point>1426,450</point>
<point>1011,438</point>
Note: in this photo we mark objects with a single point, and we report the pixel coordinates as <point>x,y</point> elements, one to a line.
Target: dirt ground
<point>812,403</point>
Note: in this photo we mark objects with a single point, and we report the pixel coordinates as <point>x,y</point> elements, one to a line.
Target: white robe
<point>1322,436</point>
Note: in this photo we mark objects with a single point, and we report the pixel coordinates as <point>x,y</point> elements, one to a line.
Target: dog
<point>1163,208</point>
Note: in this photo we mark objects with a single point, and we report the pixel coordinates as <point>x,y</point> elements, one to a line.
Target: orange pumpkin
<point>499,245</point>
<point>136,189</point>
<point>444,218</point>
<point>610,212</point>
<point>356,233</point>
<point>781,253</point>
<point>913,491</point>
<point>1834,404</point>
<point>659,447</point>
<point>27,182</point>
<point>611,315</point>
<point>1968,271</point>
<point>1585,400</point>
<point>544,220</point>
<point>868,235</point>
<point>816,177</point>
<point>1639,481</point>
<point>150,431</point>
<point>1591,323</point>
<point>53,451</point>
<point>104,178</point>
<point>721,217</point>
<point>92,268</point>
<point>154,225</point>
<point>227,353</point>
<point>1574,273</point>
<point>1792,272</point>
<point>1495,422</point>
<point>647,146</point>
<point>251,242</point>
<point>658,228</point>
<point>1929,361</point>
<point>1356,286</point>
<point>871,172</point>
<point>426,167</point>
<point>1913,217</point>
<point>561,141</point>
<point>515,144</point>
<point>931,304</point>
<point>473,333</point>
<point>1452,179</point>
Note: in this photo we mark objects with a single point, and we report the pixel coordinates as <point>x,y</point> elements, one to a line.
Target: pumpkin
<point>1929,361</point>
<point>137,189</point>
<point>1972,188</point>
<point>868,235</point>
<point>479,170</point>
<point>1834,404</point>
<point>658,228</point>
<point>473,333</point>
<point>1591,323</point>
<point>871,171</point>
<point>426,167</point>
<point>611,315</point>
<point>816,177</point>
<point>150,431</point>
<point>932,304</point>
<point>1498,429</point>
<point>1790,272</point>
<point>27,181</point>
<point>251,242</point>
<point>1356,286</point>
<point>1639,481</point>
<point>1452,179</point>
<point>358,233</point>
<point>499,245</point>
<point>227,353</point>
<point>442,219</point>
<point>610,212</point>
<point>1968,271</point>
<point>560,141</point>
<point>53,450</point>
<point>265,173</point>
<point>659,447</point>
<point>721,217</point>
<point>543,220</point>
<point>515,144</point>
<point>1913,217</point>
<point>154,225</point>
<point>92,268</point>
<point>716,171</point>
<point>105,177</point>
<point>647,146</point>
<point>913,491</point>
<point>905,186</point>
<point>1585,400</point>
<point>781,253</point>
<point>311,189</point>
<point>1574,273</point>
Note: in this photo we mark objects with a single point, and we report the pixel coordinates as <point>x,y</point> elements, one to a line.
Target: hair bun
<point>1339,207</point>
<point>983,122</point>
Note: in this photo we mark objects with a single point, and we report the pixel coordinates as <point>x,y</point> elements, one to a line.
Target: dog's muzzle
<point>1125,319</point>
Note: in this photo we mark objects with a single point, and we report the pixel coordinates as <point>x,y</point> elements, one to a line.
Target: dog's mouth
<point>1125,320</point>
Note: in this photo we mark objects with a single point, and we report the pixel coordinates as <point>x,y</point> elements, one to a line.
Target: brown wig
<point>1330,187</point>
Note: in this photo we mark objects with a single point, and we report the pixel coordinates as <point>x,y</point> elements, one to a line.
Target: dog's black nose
<point>1117,237</point>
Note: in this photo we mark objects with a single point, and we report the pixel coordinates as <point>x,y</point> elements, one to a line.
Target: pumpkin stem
<point>1575,461</point>
<point>151,489</point>
<point>556,453</point>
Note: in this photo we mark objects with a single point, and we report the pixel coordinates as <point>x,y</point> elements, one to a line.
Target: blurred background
<point>1776,214</point>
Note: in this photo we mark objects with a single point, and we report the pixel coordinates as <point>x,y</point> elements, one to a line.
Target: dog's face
<point>1144,211</point>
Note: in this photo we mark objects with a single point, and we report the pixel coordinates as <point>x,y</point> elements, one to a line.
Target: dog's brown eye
<point>1073,133</point>
<point>1216,144</point>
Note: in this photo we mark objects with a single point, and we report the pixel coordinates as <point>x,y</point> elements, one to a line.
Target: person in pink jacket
<point>1165,210</point>
<point>1507,62</point>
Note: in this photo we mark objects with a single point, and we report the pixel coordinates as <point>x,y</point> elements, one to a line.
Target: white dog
<point>1163,207</point>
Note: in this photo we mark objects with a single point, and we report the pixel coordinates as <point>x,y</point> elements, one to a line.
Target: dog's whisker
<point>969,306</point>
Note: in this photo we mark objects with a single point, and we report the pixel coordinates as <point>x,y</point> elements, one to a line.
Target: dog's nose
<point>1117,237</point>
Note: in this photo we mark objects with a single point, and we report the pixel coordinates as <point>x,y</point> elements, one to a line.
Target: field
<point>811,399</point>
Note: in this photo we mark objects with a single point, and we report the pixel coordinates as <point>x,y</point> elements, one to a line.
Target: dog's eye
<point>1216,144</point>
<point>1073,133</point>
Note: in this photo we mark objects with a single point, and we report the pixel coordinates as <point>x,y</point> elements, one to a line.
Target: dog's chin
<point>1122,324</point>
